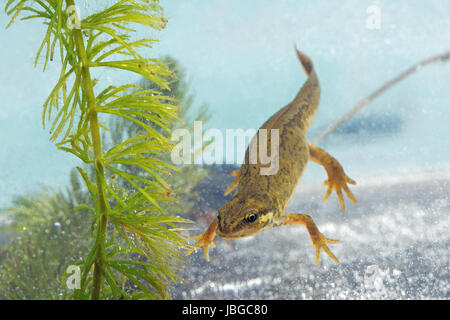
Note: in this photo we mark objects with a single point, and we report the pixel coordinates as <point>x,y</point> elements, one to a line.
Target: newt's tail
<point>308,97</point>
<point>305,61</point>
<point>304,106</point>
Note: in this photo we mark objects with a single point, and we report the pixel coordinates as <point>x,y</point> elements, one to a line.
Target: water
<point>393,245</point>
<point>240,59</point>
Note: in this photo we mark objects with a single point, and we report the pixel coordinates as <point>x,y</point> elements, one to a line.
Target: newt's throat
<point>237,234</point>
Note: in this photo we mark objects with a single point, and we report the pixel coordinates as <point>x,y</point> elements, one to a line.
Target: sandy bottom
<point>393,245</point>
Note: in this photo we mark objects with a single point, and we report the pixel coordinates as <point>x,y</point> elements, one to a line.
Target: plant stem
<point>102,218</point>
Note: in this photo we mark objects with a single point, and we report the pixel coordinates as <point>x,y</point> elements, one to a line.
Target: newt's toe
<point>322,244</point>
<point>205,240</point>
<point>338,181</point>
<point>202,242</point>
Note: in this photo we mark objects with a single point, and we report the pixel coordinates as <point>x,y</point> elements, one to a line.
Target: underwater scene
<point>217,150</point>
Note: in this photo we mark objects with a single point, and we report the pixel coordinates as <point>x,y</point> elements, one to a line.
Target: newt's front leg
<point>318,239</point>
<point>337,179</point>
<point>206,239</point>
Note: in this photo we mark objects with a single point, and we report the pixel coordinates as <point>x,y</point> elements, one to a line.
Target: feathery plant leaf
<point>135,244</point>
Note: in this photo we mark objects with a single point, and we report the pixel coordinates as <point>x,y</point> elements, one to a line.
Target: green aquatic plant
<point>183,183</point>
<point>47,235</point>
<point>135,241</point>
<point>29,271</point>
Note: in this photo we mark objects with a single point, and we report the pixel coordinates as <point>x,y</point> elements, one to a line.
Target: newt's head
<point>240,218</point>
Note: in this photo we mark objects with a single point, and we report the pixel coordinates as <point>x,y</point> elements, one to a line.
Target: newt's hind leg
<point>233,185</point>
<point>337,179</point>
<point>318,239</point>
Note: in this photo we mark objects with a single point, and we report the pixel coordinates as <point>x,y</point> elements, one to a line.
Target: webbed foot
<point>321,243</point>
<point>205,240</point>
<point>337,181</point>
<point>318,239</point>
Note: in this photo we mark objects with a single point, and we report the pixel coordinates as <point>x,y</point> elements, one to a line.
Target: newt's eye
<point>251,217</point>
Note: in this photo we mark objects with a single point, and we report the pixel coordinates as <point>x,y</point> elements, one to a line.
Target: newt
<point>260,201</point>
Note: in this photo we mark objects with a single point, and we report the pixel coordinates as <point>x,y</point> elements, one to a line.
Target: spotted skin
<point>259,201</point>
